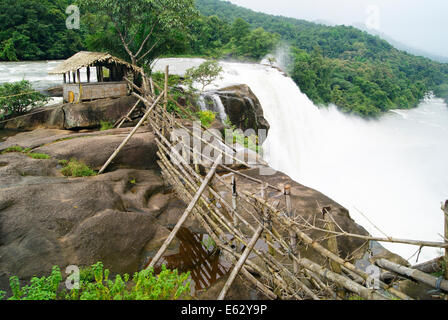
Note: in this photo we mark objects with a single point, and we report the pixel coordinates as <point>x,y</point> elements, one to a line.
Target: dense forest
<point>360,73</point>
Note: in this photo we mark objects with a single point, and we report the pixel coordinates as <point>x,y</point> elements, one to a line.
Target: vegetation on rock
<point>75,168</point>
<point>95,284</point>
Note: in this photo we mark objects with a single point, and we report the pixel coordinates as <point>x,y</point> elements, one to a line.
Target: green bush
<point>206,117</point>
<point>105,125</point>
<point>75,168</point>
<point>95,284</point>
<point>19,97</point>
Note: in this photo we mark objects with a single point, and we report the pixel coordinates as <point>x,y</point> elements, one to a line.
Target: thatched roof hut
<point>85,59</point>
<point>110,73</point>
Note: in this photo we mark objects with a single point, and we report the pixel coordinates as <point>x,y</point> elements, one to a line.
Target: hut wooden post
<point>78,72</point>
<point>74,77</point>
<point>187,212</point>
<point>240,263</point>
<point>445,213</point>
<point>65,78</point>
<point>88,74</point>
<point>69,78</point>
<point>292,234</point>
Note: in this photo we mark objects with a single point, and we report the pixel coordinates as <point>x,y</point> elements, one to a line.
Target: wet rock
<point>74,116</point>
<point>243,108</point>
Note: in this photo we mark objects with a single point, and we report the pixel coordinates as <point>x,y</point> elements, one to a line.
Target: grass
<point>75,168</point>
<point>40,156</point>
<point>105,125</point>
<point>27,151</point>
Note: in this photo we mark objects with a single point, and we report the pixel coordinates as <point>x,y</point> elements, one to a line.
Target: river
<point>392,170</point>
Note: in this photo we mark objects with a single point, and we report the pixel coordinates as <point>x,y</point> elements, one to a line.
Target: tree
<point>142,26</point>
<point>205,74</point>
<point>240,29</point>
<point>17,98</point>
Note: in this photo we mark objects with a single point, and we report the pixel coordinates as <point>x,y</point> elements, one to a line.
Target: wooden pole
<point>126,117</point>
<point>151,83</point>
<point>74,77</point>
<point>78,72</point>
<point>165,100</point>
<point>112,157</point>
<point>292,234</point>
<point>186,213</point>
<point>88,74</point>
<point>414,274</point>
<point>234,201</point>
<point>341,280</point>
<point>267,219</point>
<point>65,78</point>
<point>445,212</point>
<point>240,263</point>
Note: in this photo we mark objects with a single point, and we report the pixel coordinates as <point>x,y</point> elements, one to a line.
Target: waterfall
<point>211,101</point>
<point>393,170</point>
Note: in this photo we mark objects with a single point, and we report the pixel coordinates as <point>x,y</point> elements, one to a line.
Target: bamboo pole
<point>165,96</point>
<point>234,201</point>
<point>445,213</point>
<point>126,117</point>
<point>186,213</point>
<point>112,157</point>
<point>323,251</point>
<point>340,280</point>
<point>292,234</point>
<point>240,263</point>
<point>414,274</point>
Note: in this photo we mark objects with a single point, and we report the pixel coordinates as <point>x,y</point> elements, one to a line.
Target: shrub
<point>74,168</point>
<point>19,97</point>
<point>95,284</point>
<point>105,125</point>
<point>207,117</point>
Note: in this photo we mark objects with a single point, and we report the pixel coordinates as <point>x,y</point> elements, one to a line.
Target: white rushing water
<point>394,170</point>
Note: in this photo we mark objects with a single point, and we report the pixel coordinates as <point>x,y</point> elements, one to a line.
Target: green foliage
<point>44,288</point>
<point>95,284</point>
<point>139,30</point>
<point>19,97</point>
<point>206,117</point>
<point>36,30</point>
<point>205,74</point>
<point>237,136</point>
<point>40,156</point>
<point>106,125</point>
<point>75,168</point>
<point>13,149</point>
<point>358,72</point>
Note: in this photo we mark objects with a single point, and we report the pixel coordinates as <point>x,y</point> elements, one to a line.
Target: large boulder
<point>47,219</point>
<point>93,148</point>
<point>243,108</point>
<point>74,116</point>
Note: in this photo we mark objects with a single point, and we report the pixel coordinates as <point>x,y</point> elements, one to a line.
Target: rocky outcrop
<point>93,148</point>
<point>74,116</point>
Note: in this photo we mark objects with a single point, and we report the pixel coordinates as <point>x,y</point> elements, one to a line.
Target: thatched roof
<point>84,59</point>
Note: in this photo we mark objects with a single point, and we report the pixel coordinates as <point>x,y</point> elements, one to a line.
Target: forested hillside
<point>360,73</point>
<point>343,65</point>
<point>36,30</point>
